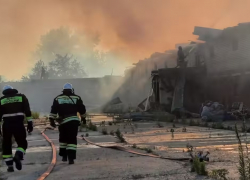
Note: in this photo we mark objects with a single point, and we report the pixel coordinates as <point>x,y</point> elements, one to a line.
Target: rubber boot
<point>17,160</point>
<point>71,161</point>
<point>64,159</point>
<point>10,169</point>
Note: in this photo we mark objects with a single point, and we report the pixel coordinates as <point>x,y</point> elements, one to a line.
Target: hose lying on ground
<point>131,151</point>
<point>53,161</point>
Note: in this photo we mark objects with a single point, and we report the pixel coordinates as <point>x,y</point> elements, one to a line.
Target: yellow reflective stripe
<point>51,114</point>
<point>72,145</point>
<point>63,145</point>
<point>8,159</point>
<point>72,118</point>
<point>13,114</point>
<point>20,149</point>
<point>7,156</point>
<point>9,100</point>
<point>28,118</point>
<point>73,97</point>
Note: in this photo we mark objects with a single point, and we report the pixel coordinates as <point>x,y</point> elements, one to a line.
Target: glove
<point>30,126</point>
<point>52,123</point>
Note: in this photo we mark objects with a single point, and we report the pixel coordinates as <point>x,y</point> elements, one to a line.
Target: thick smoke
<point>131,29</point>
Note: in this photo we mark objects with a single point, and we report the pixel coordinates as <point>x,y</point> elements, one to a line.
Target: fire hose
<point>117,147</point>
<point>53,161</point>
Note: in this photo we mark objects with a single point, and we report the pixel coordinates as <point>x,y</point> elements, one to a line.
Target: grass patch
<point>148,150</point>
<point>35,115</point>
<point>92,126</point>
<point>199,167</point>
<point>110,123</point>
<point>243,168</point>
<point>112,133</point>
<point>219,174</point>
<point>104,131</point>
<point>119,135</point>
<point>134,146</point>
<point>184,121</point>
<point>192,123</point>
<point>219,126</point>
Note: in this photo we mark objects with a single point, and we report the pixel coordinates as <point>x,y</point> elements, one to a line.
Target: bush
<point>35,115</point>
<point>219,174</point>
<point>213,125</point>
<point>184,121</point>
<point>199,167</point>
<point>110,123</point>
<point>148,150</point>
<point>204,124</point>
<point>112,133</point>
<point>104,131</point>
<point>92,126</point>
<point>120,136</point>
<point>219,125</point>
<point>192,123</point>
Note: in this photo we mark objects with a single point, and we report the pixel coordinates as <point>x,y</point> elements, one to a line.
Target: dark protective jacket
<point>66,106</point>
<point>14,107</point>
<point>181,56</point>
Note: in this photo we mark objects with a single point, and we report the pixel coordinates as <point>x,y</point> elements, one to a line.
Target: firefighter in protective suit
<point>64,109</point>
<point>14,108</point>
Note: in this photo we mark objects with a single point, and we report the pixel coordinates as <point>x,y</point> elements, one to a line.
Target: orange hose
<point>133,152</point>
<point>53,161</point>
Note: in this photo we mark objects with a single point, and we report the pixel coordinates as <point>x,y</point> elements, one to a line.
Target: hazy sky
<point>133,29</point>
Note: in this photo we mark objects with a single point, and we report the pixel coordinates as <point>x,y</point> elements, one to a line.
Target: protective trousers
<point>67,139</point>
<point>16,130</point>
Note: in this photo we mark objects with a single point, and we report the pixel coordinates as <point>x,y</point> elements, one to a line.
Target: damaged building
<point>218,69</point>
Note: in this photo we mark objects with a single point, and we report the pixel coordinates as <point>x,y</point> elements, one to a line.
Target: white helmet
<point>68,86</point>
<point>7,87</point>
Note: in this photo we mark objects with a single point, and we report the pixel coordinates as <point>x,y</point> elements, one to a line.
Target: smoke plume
<point>131,29</point>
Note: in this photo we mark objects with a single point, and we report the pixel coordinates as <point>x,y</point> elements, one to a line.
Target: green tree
<point>64,41</point>
<point>35,71</point>
<point>65,67</point>
<point>62,67</point>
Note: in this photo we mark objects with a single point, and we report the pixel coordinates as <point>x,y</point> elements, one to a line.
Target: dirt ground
<point>95,163</point>
<point>221,144</point>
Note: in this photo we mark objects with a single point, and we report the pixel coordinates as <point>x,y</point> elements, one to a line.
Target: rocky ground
<point>109,164</point>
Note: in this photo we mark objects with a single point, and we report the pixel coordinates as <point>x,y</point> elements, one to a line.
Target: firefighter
<point>180,57</point>
<point>64,109</point>
<point>14,107</point>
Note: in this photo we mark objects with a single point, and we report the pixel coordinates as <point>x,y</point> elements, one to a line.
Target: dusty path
<point>94,163</point>
<point>37,159</point>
